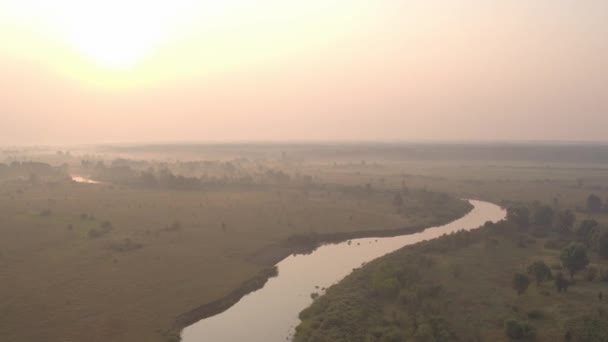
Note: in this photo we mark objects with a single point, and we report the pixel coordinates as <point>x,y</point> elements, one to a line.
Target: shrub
<point>517,330</point>
<point>540,271</point>
<point>561,284</point>
<point>536,314</point>
<point>520,283</point>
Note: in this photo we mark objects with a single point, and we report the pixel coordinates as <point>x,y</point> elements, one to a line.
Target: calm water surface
<point>271,313</point>
<point>80,179</point>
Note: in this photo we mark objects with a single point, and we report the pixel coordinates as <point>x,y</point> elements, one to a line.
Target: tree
<point>565,221</point>
<point>520,283</point>
<point>519,215</point>
<point>561,284</point>
<point>584,230</point>
<point>574,258</point>
<point>594,203</point>
<point>517,330</point>
<point>540,271</point>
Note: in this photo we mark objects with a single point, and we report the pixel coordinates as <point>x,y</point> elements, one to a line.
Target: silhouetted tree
<point>565,221</point>
<point>520,283</point>
<point>561,284</point>
<point>584,231</point>
<point>574,258</point>
<point>540,271</point>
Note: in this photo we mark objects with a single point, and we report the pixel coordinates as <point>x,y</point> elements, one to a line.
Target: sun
<point>115,33</point>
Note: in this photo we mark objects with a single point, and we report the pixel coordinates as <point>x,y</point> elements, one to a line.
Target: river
<point>271,313</point>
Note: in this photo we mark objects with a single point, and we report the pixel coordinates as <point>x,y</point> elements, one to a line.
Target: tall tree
<point>520,283</point>
<point>574,258</point>
<point>540,271</point>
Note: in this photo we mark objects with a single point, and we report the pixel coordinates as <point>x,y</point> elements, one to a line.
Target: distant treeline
<point>33,171</point>
<point>533,152</point>
<point>185,176</point>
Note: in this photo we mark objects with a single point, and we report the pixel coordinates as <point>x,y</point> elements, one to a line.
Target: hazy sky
<point>75,71</point>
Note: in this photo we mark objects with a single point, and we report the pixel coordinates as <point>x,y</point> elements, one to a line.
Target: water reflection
<point>80,179</point>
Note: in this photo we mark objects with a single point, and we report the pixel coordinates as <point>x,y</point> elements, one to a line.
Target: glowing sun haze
<point>121,71</point>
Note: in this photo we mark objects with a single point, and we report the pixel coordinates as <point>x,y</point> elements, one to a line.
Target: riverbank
<point>460,287</point>
<point>300,244</point>
<point>306,243</point>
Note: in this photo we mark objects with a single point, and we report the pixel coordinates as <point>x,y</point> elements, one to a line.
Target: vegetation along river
<point>271,313</point>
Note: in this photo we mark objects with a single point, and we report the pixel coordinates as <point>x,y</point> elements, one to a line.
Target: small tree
<point>584,230</point>
<point>520,283</point>
<point>565,221</point>
<point>517,330</point>
<point>561,284</point>
<point>594,203</point>
<point>574,258</point>
<point>540,271</point>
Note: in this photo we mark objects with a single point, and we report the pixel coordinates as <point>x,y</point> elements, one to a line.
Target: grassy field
<point>99,262</point>
<point>119,262</point>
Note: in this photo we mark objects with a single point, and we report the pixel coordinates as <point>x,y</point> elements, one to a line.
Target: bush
<point>520,283</point>
<point>517,330</point>
<point>536,314</point>
<point>540,271</point>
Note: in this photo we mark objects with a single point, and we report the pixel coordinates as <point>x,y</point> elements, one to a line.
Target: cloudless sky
<point>135,71</point>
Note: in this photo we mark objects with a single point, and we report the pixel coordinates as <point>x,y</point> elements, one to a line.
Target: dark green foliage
<point>520,283</point>
<point>517,330</point>
<point>574,258</point>
<point>539,271</point>
<point>594,203</point>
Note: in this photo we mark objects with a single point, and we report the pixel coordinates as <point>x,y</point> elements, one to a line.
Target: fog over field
<point>306,171</point>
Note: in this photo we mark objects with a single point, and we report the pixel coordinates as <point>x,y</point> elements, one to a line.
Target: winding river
<point>271,313</point>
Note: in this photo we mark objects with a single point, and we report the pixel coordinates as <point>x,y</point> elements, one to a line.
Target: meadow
<point>113,262</point>
<point>123,259</point>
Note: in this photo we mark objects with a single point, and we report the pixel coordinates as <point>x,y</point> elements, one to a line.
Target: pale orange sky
<point>137,71</point>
